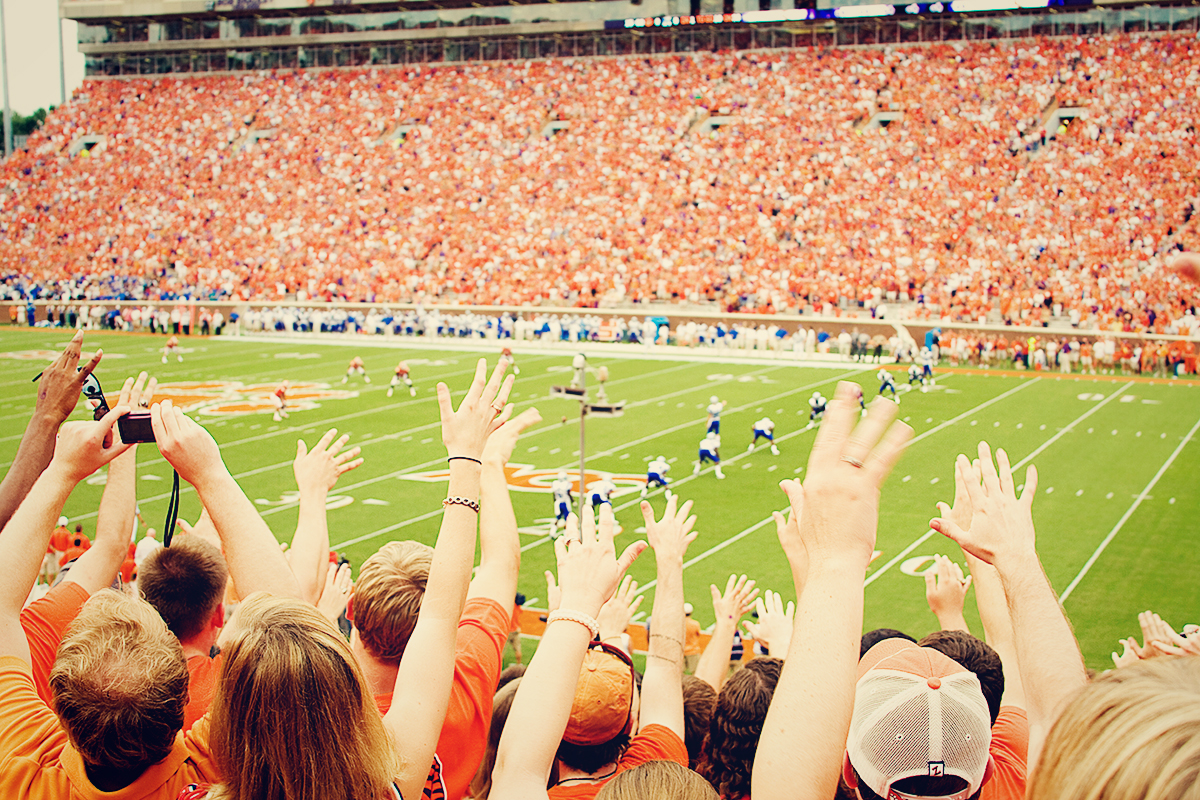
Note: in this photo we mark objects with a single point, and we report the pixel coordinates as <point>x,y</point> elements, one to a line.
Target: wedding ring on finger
<point>498,408</point>
<point>852,461</point>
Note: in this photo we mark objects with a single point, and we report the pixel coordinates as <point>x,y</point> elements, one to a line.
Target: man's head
<point>872,638</point>
<point>602,712</point>
<point>975,656</point>
<point>186,584</point>
<point>387,598</point>
<point>920,728</point>
<point>120,684</point>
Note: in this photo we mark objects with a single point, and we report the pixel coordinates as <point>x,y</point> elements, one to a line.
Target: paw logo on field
<point>226,398</point>
<point>527,478</point>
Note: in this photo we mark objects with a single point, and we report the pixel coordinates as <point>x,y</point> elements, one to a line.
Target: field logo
<point>225,398</point>
<point>527,478</point>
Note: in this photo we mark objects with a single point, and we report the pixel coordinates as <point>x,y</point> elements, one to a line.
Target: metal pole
<point>62,68</point>
<point>8,138</point>
<point>582,438</point>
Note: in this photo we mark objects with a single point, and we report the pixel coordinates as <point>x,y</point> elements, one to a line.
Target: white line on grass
<point>1070,426</point>
<point>1128,513</point>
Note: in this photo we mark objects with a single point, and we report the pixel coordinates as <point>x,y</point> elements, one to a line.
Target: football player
<point>765,429</point>
<point>710,447</point>
<point>715,407</point>
<point>400,377</point>
<point>656,476</point>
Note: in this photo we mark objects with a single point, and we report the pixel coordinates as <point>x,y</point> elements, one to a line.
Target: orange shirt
<point>60,540</point>
<point>202,682</point>
<point>691,638</point>
<point>37,761</point>
<point>482,633</point>
<point>653,743</point>
<point>1010,752</point>
<point>44,622</point>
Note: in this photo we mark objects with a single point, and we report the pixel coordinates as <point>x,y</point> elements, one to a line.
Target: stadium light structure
<point>8,135</point>
<point>578,390</point>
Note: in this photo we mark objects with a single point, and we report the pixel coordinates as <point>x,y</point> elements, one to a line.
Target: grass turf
<point>1113,456</point>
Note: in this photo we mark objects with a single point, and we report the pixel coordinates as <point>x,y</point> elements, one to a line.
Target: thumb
<point>930,583</point>
<point>795,494</point>
<point>551,584</point>
<point>967,583</point>
<point>716,595</point>
<point>301,449</point>
<point>183,526</point>
<point>1031,482</point>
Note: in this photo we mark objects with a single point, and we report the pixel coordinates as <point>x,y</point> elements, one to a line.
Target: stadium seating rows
<point>268,185</point>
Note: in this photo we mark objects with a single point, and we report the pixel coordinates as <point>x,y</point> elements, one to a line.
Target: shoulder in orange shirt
<point>652,743</point>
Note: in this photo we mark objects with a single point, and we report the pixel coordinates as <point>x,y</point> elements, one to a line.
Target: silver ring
<point>499,410</point>
<point>852,461</point>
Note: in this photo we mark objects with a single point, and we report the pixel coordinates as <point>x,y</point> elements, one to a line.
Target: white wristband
<point>576,616</point>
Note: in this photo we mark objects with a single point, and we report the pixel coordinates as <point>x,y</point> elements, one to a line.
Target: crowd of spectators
<point>219,665</point>
<point>745,181</point>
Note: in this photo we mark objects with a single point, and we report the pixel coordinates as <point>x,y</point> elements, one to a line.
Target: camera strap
<point>172,513</point>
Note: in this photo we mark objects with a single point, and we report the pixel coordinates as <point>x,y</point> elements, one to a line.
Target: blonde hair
<point>120,683</point>
<point>481,784</point>
<point>661,780</point>
<point>1134,733</point>
<point>387,597</point>
<point>292,717</point>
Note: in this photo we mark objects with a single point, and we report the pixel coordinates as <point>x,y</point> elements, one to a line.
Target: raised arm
<point>662,682</point>
<point>57,394</point>
<point>838,511</point>
<point>946,592</point>
<point>316,471</point>
<point>1002,534</point>
<point>255,561</point>
<point>729,606</point>
<point>588,571</point>
<point>427,668</point>
<point>97,568</point>
<point>82,448</point>
<point>499,542</point>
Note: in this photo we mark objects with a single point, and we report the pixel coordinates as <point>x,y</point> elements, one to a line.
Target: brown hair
<point>387,597</point>
<point>660,780</point>
<point>737,721</point>
<point>699,700</point>
<point>119,684</point>
<point>292,716</point>
<point>185,583</point>
<point>481,784</point>
<point>1135,732</point>
<point>974,655</point>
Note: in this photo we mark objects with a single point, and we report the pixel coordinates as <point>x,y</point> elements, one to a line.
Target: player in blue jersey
<point>764,429</point>
<point>656,476</point>
<point>562,498</point>
<point>710,447</point>
<point>601,491</point>
<point>887,384</point>
<point>715,407</point>
<point>816,405</point>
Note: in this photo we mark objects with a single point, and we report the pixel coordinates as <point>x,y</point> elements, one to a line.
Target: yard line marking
<point>1128,513</point>
<point>1070,426</point>
<point>610,451</point>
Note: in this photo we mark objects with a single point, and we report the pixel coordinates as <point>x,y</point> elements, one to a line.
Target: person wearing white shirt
<point>146,547</point>
<point>764,429</point>
<point>710,451</point>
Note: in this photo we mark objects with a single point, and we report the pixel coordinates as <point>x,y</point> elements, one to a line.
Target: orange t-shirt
<point>44,622</point>
<point>60,540</point>
<point>202,682</point>
<point>691,638</point>
<point>37,761</point>
<point>1010,752</point>
<point>482,633</point>
<point>653,743</point>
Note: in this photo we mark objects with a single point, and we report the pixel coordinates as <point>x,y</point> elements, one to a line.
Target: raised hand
<point>318,470</point>
<point>500,443</point>
<point>84,447</point>
<point>838,503</point>
<point>946,591</point>
<point>465,432</point>
<point>775,623</point>
<point>671,535</point>
<point>1187,266</point>
<point>588,568</point>
<point>1001,523</point>
<point>335,595</point>
<point>60,384</point>
<point>615,615</point>
<point>788,530</point>
<point>553,593</point>
<point>737,599</point>
<point>185,444</point>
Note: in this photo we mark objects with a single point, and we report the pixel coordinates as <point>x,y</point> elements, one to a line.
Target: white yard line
<point>1070,426</point>
<point>1126,516</point>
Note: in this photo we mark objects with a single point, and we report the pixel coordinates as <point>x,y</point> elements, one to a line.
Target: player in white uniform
<point>887,384</point>
<point>816,405</point>
<point>765,429</point>
<point>400,377</point>
<point>507,355</point>
<point>914,374</point>
<point>715,407</point>
<point>925,359</point>
<point>279,400</point>
<point>656,476</point>
<point>601,491</point>
<point>710,447</point>
<point>172,349</point>
<point>562,498</point>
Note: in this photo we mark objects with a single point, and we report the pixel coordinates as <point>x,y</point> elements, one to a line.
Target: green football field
<point>1114,511</point>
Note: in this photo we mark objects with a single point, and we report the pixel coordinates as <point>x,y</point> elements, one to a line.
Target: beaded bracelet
<point>461,501</point>
<point>576,616</point>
